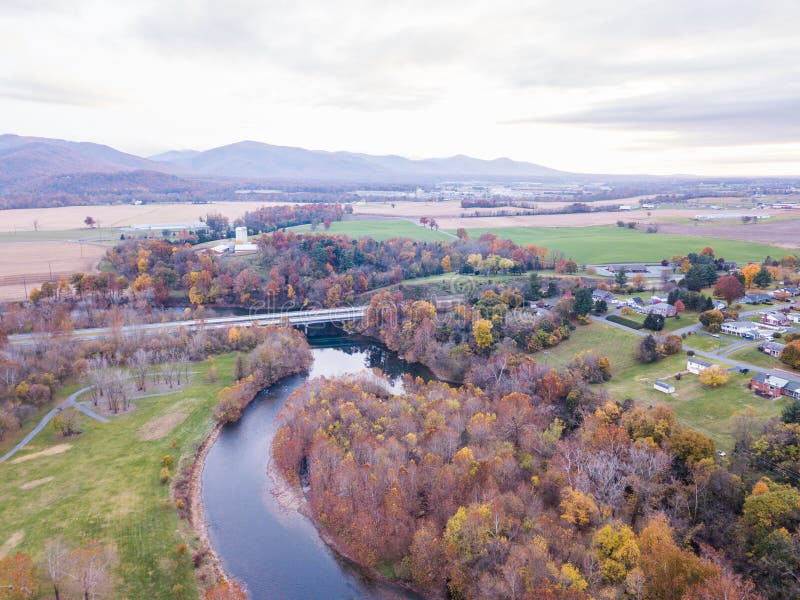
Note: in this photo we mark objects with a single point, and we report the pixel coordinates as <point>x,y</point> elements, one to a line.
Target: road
<point>303,318</point>
<point>719,355</point>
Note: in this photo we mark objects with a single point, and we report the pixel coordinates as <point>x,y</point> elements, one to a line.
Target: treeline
<point>473,494</point>
<point>464,343</point>
<point>303,270</point>
<point>30,374</point>
<point>282,352</point>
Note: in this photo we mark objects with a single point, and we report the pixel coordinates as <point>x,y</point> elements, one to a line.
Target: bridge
<point>300,318</point>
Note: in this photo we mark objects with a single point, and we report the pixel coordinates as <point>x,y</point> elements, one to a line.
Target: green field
<point>106,485</point>
<point>710,411</point>
<point>601,244</point>
<point>757,357</point>
<point>379,230</point>
<point>102,235</point>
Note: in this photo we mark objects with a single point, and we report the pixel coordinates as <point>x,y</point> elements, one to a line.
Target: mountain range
<point>24,161</point>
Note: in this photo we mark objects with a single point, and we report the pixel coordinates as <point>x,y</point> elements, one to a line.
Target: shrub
<point>167,461</point>
<point>164,474</point>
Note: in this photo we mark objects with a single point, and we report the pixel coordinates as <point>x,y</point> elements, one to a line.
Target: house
<point>719,305</point>
<point>663,309</point>
<point>632,268</point>
<point>728,266</point>
<point>769,386</point>
<point>772,348</point>
<point>774,319</point>
<point>793,317</point>
<point>792,389</point>
<point>695,365</point>
<point>604,295</point>
<point>664,387</point>
<point>745,329</point>
<point>755,299</point>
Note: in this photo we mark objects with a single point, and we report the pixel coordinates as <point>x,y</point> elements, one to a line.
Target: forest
<point>466,493</point>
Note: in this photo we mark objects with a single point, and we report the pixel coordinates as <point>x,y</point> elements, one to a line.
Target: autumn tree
<point>18,579</point>
<point>226,590</point>
<point>790,355</point>
<point>749,273</point>
<point>729,288</point>
<point>91,568</point>
<point>482,333</point>
<point>714,377</point>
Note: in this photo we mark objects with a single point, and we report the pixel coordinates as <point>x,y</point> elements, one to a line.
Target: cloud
<point>698,119</point>
<point>48,92</point>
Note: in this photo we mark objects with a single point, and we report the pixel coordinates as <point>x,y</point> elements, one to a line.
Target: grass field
<point>757,357</point>
<point>106,485</point>
<point>709,411</point>
<point>597,245</point>
<point>380,230</point>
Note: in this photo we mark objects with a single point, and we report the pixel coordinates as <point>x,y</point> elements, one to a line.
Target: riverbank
<point>291,498</point>
<point>211,566</point>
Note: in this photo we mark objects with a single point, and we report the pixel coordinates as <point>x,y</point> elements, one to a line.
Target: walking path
<point>70,401</point>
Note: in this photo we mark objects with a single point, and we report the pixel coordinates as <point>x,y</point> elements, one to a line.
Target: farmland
<point>597,245</point>
<point>381,230</point>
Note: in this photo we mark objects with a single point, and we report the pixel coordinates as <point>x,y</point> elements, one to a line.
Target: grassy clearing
<point>757,357</point>
<point>106,485</point>
<point>670,324</point>
<point>601,244</point>
<point>379,230</point>
<point>707,410</point>
<point>706,343</point>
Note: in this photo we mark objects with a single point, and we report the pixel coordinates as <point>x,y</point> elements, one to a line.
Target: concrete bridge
<point>300,318</point>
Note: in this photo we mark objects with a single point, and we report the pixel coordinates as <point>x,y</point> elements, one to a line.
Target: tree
<point>226,591</point>
<point>729,288</point>
<point>712,320</point>
<point>654,322</point>
<point>763,278</point>
<point>714,377</point>
<point>790,355</point>
<point>65,422</point>
<point>791,412</point>
<point>600,307</point>
<point>533,290</point>
<point>56,560</point>
<point>89,221</point>
<point>621,278</point>
<point>647,350</point>
<point>482,332</point>
<point>91,567</point>
<point>616,551</point>
<point>749,273</point>
<point>583,301</point>
<point>18,579</point>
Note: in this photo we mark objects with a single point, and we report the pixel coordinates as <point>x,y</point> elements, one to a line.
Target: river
<point>274,551</point>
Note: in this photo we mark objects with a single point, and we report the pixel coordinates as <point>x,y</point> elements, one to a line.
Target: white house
<point>663,309</point>
<point>696,365</point>
<point>664,387</point>
<point>745,329</point>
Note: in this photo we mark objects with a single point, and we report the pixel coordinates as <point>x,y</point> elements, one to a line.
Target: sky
<point>598,86</point>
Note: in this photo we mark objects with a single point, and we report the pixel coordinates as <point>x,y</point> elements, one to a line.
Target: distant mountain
<point>174,155</point>
<point>25,158</point>
<point>256,160</point>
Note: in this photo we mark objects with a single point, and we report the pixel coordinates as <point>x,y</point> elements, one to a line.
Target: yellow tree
<point>482,331</point>
<point>750,271</point>
<point>714,377</point>
<point>446,264</point>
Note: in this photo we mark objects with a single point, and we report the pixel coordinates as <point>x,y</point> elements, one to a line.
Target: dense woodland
<point>493,494</point>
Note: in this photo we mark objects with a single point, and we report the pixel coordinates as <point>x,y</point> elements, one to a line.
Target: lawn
<point>106,485</point>
<point>707,410</point>
<point>670,324</point>
<point>94,235</point>
<point>710,411</point>
<point>707,343</point>
<point>380,230</point>
<point>757,357</point>
<point>601,244</point>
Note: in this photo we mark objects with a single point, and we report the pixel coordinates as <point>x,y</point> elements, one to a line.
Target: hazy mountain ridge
<point>26,158</point>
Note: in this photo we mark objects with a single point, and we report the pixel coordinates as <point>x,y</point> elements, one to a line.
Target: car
<point>722,453</point>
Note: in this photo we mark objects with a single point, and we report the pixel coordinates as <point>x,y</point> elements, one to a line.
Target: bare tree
<point>140,365</point>
<point>57,563</point>
<point>90,569</point>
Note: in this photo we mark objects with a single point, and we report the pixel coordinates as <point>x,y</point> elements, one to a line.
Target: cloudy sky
<point>625,86</point>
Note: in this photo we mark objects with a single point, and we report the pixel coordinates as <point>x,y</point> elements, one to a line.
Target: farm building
<point>632,268</point>
<point>745,329</point>
<point>166,230</point>
<point>772,348</point>
<point>696,365</point>
<point>664,387</point>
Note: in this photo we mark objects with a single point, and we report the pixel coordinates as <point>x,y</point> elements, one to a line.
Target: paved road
<point>299,317</point>
<point>69,402</point>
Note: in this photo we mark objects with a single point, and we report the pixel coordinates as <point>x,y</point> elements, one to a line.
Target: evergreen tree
<point>621,277</point>
<point>762,278</point>
<point>583,301</point>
